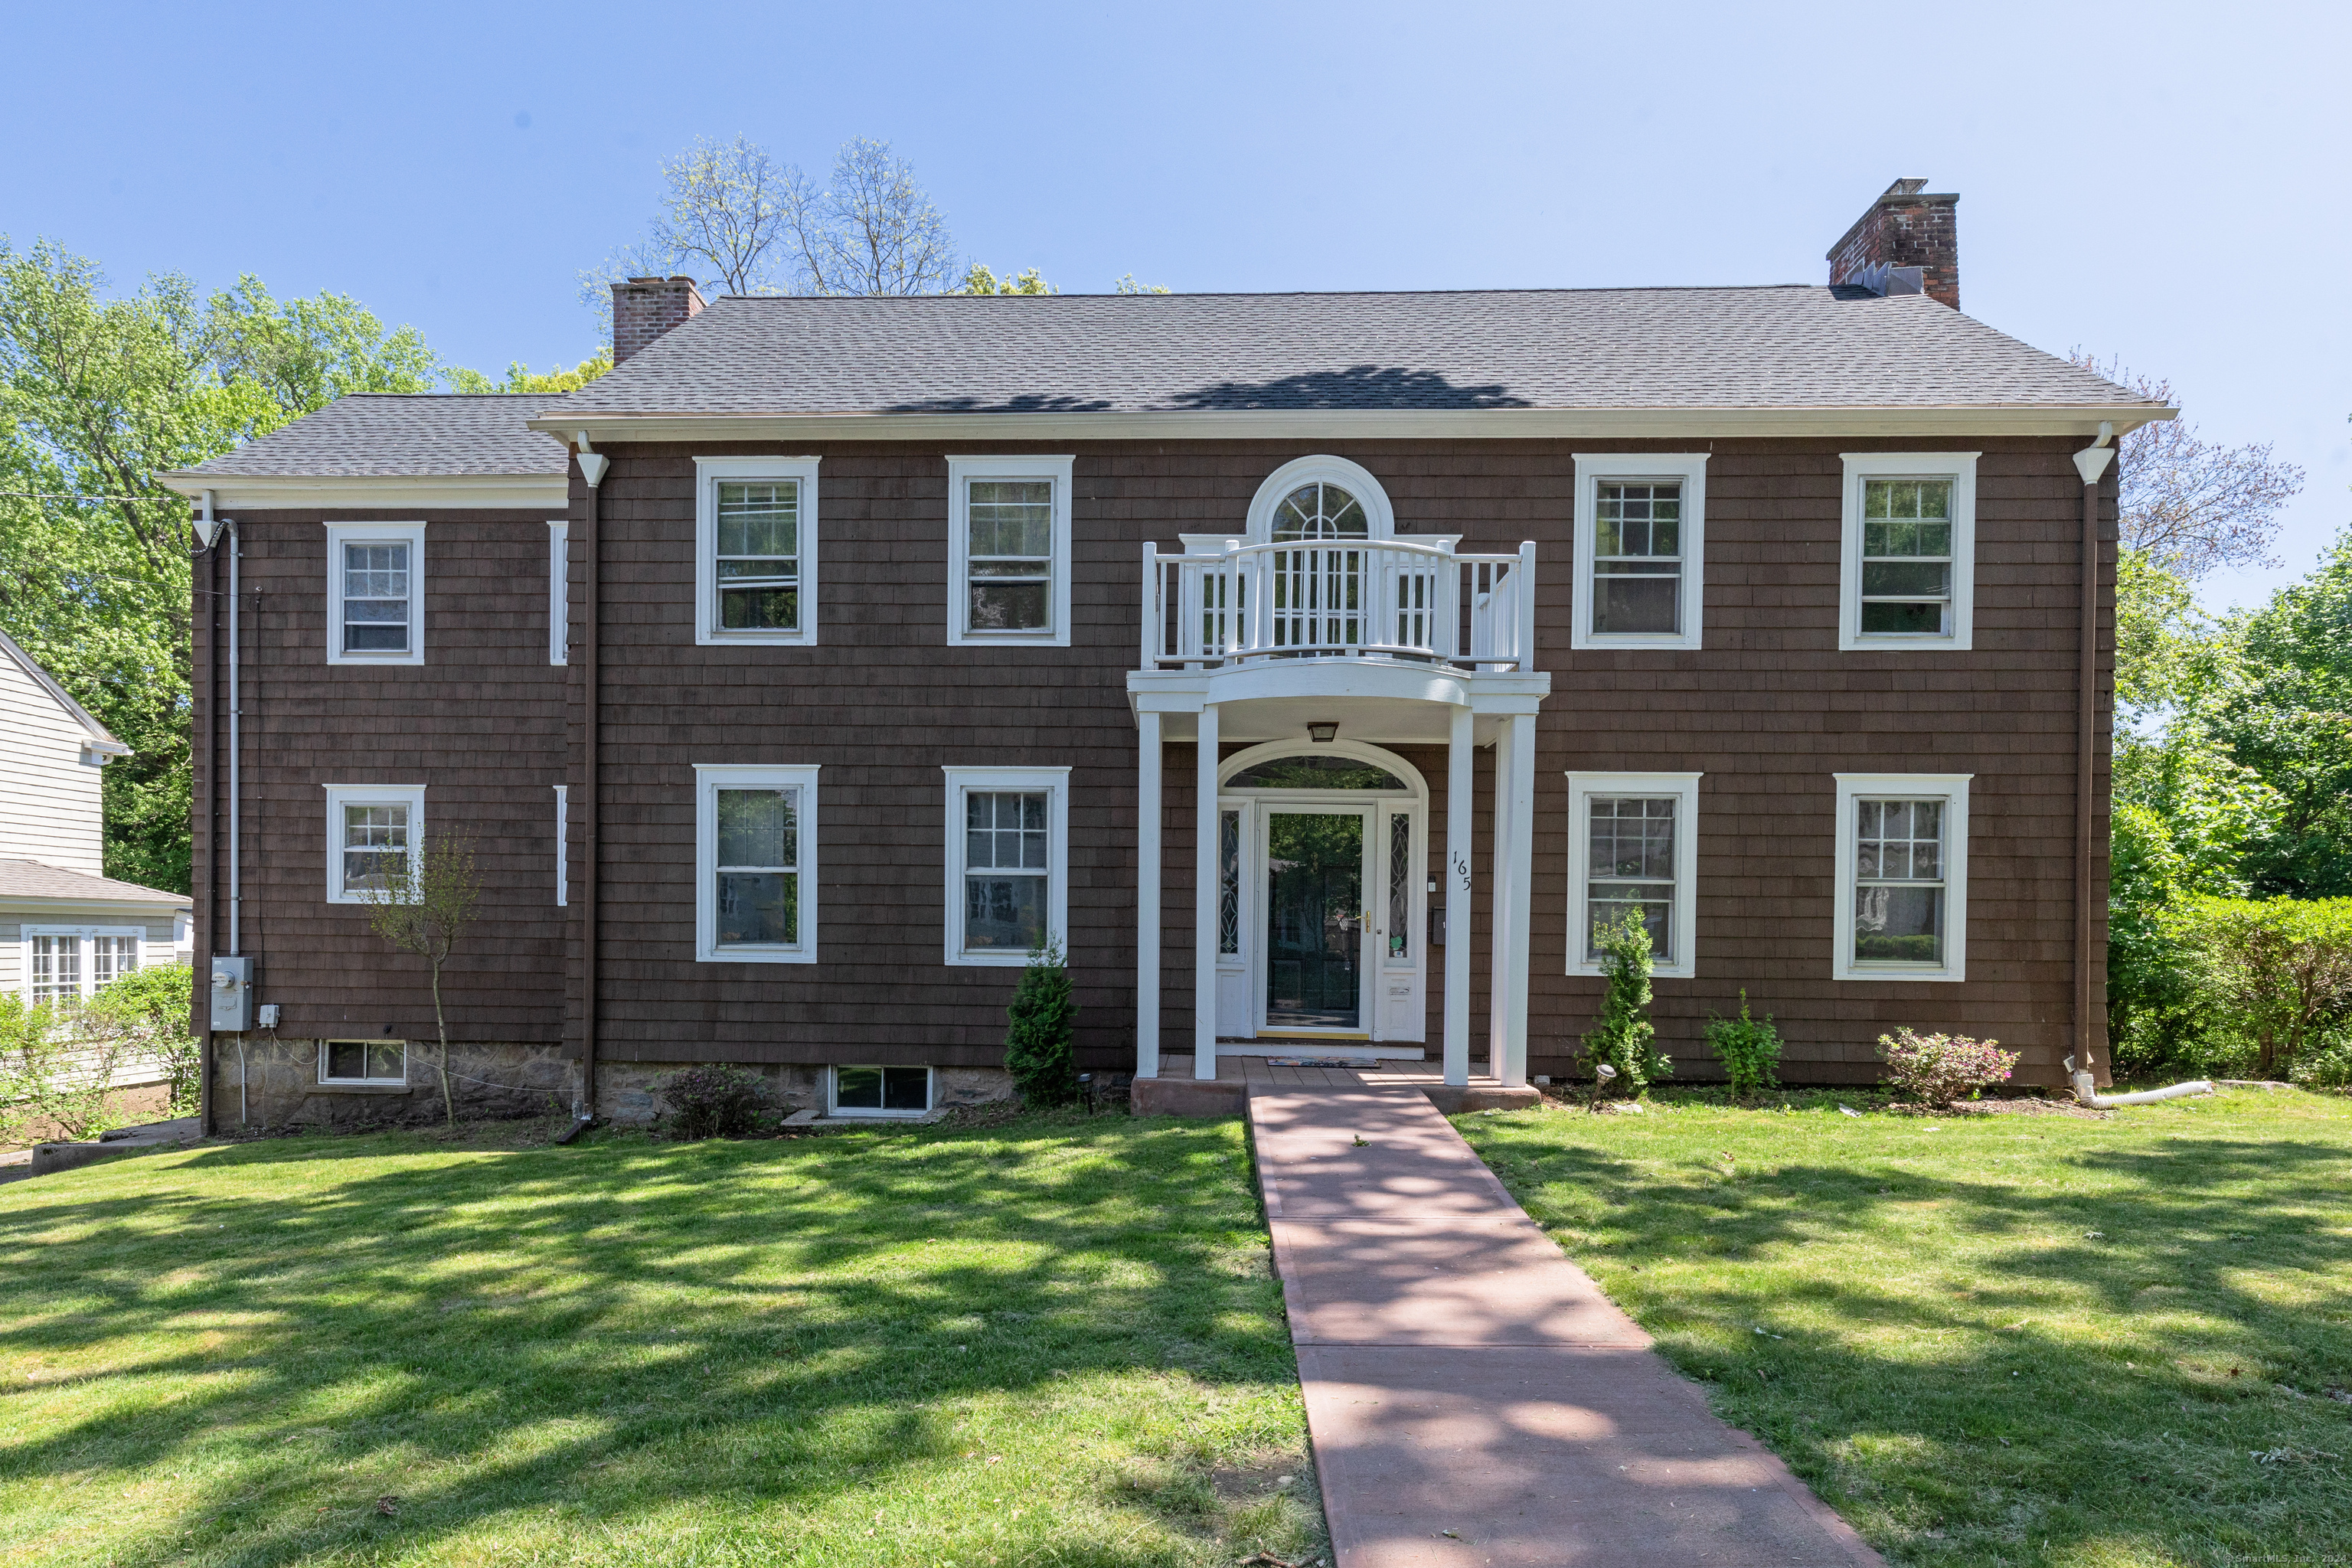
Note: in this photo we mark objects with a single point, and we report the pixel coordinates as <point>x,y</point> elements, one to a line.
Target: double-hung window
<point>375,592</point>
<point>755,864</point>
<point>64,963</point>
<point>755,550</point>
<point>1009,551</point>
<point>1008,846</point>
<point>1641,559</point>
<point>374,833</point>
<point>1902,876</point>
<point>1909,550</point>
<point>1632,850</point>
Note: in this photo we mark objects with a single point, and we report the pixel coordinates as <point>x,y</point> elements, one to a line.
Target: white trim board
<point>538,493</point>
<point>1690,469</point>
<point>961,471</point>
<point>1954,789</point>
<point>1683,787</point>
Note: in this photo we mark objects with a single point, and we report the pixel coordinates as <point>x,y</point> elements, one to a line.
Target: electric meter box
<point>232,995</point>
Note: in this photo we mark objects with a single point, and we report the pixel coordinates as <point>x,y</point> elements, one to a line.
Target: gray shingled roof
<point>389,434</point>
<point>1794,346</point>
<point>31,879</point>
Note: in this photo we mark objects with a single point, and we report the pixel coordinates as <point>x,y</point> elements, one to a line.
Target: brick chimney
<point>646,307</point>
<point>1908,243</point>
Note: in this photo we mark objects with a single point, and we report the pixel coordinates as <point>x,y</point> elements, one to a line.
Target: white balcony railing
<point>1354,599</point>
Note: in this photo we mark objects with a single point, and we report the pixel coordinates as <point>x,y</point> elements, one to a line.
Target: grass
<point>1995,1339</point>
<point>1053,1340</point>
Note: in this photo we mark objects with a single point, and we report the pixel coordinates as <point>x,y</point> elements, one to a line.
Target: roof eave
<point>1502,424</point>
<point>329,491</point>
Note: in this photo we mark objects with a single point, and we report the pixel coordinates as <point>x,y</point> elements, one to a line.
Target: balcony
<point>1223,604</point>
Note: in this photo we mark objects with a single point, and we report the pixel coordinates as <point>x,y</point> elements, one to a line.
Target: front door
<point>1314,929</point>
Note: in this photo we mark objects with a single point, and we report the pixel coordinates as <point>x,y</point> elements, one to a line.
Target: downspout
<point>206,532</point>
<point>235,859</point>
<point>2092,462</point>
<point>591,468</point>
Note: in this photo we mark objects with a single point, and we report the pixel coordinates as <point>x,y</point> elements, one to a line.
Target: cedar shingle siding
<point>1768,711</point>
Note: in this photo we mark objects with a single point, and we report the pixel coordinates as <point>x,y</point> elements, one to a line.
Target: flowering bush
<point>1938,1070</point>
<point>716,1101</point>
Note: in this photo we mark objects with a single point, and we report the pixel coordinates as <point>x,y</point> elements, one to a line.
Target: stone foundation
<point>281,1086</point>
<point>625,1089</point>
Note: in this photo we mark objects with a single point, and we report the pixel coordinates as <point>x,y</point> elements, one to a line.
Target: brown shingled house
<point>1318,668</point>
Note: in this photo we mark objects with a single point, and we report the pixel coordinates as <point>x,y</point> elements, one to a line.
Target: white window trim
<point>85,986</point>
<point>833,1094</point>
<point>1055,782</point>
<point>1690,468</point>
<point>341,534</point>
<point>961,471</point>
<point>339,796</point>
<point>1954,789</point>
<point>707,472</point>
<point>1380,518</point>
<point>402,1081</point>
<point>558,592</point>
<point>1960,468</point>
<point>1683,787</point>
<point>708,779</point>
<point>562,846</point>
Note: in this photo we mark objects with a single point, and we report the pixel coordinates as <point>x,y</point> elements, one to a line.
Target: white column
<point>1522,734</point>
<point>1147,895</point>
<point>1204,903</point>
<point>1506,861</point>
<point>1458,802</point>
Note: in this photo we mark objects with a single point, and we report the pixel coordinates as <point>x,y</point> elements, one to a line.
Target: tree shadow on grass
<point>2108,1350</point>
<point>736,1333</point>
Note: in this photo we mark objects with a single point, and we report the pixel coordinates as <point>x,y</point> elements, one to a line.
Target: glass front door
<point>1315,920</point>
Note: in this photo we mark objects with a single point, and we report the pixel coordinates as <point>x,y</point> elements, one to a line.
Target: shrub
<point>1937,1070</point>
<point>1749,1050</point>
<point>2328,1064</point>
<point>1624,1037</point>
<point>716,1101</point>
<point>1039,1049</point>
<point>2279,970</point>
<point>152,1008</point>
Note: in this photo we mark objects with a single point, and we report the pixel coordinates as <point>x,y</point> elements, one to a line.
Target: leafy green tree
<point>1039,1049</point>
<point>153,1009</point>
<point>519,377</point>
<point>981,280</point>
<point>2281,967</point>
<point>98,395</point>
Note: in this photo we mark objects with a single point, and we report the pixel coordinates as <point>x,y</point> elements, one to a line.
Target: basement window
<point>881,1091</point>
<point>377,1062</point>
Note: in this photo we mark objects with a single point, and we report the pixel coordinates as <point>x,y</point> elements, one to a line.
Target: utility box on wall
<point>232,995</point>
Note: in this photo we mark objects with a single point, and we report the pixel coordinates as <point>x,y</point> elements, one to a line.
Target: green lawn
<point>1049,1341</point>
<point>1996,1338</point>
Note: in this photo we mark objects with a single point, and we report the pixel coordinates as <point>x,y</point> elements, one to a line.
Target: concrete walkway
<point>1473,1396</point>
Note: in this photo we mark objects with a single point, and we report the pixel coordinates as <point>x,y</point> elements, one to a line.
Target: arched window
<point>1319,510</point>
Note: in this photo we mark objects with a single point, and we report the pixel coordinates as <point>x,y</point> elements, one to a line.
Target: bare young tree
<point>873,231</point>
<point>2194,506</point>
<point>422,904</point>
<point>725,207</point>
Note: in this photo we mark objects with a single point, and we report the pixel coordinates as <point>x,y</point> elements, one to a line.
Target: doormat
<point>1310,1062</point>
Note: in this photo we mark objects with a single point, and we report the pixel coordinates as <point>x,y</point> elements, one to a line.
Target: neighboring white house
<point>65,928</point>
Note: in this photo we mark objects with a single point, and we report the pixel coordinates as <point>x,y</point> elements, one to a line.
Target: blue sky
<point>2164,182</point>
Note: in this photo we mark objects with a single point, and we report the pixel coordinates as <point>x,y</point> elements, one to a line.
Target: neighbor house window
<point>1009,551</point>
<point>755,837</point>
<point>66,964</point>
<point>1640,556</point>
<point>1008,842</point>
<point>558,592</point>
<point>375,592</point>
<point>881,1091</point>
<point>1634,851</point>
<point>1909,550</point>
<point>374,833</point>
<point>381,1062</point>
<point>1902,893</point>
<point>755,537</point>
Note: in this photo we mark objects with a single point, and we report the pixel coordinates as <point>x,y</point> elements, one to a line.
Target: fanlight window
<point>1318,511</point>
<point>1315,772</point>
